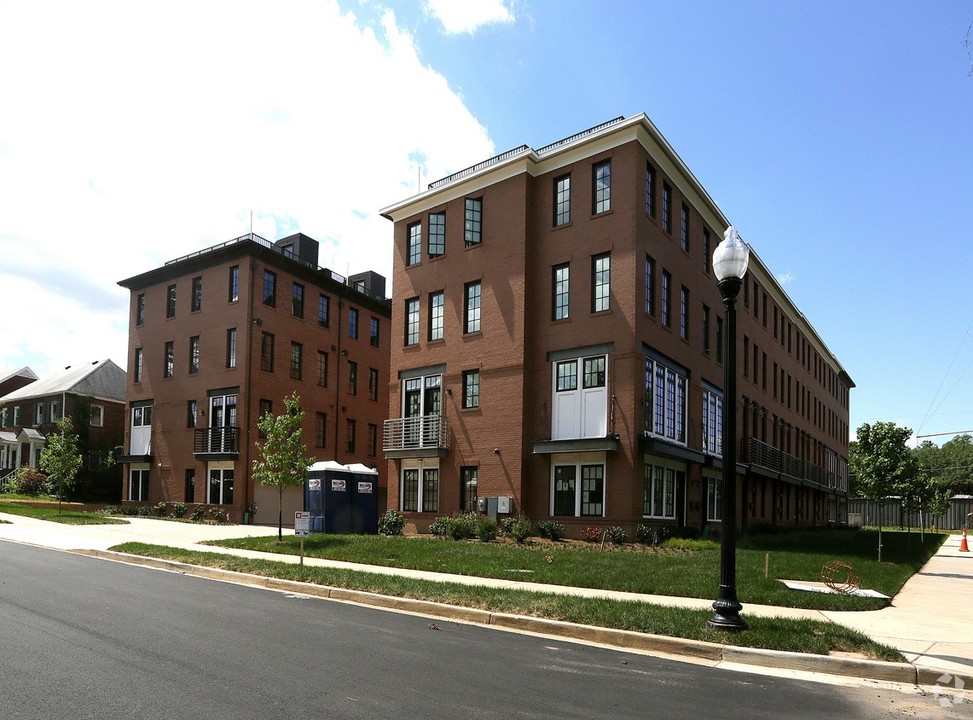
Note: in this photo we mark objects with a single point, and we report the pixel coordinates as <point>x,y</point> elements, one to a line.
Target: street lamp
<point>730,262</point>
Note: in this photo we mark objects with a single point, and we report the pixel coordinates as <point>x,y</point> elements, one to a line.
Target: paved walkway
<point>927,621</point>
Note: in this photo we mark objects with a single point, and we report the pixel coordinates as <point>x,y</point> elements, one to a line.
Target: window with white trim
<point>138,484</point>
<point>714,499</point>
<point>220,488</point>
<point>580,412</point>
<point>665,401</point>
<point>712,422</point>
<point>420,489</point>
<point>659,486</point>
<point>578,485</point>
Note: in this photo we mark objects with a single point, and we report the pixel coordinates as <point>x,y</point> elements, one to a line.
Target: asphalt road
<point>86,638</point>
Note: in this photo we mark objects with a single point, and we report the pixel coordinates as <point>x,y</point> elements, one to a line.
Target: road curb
<point>859,668</point>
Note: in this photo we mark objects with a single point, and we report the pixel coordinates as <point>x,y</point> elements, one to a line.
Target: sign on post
<point>302,524</point>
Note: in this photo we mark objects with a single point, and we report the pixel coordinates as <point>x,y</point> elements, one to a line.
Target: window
<point>649,190</point>
<point>665,400</point>
<point>412,321</point>
<point>437,303</point>
<point>194,354</point>
<point>573,498</point>
<point>714,499</point>
<point>712,421</point>
<point>600,283</point>
<point>40,414</point>
<point>413,251</point>
<point>168,360</point>
<point>297,300</point>
<point>684,227</point>
<point>705,329</point>
<point>233,293</point>
<point>297,361</point>
<point>372,384</point>
<point>97,416</point>
<point>138,485</point>
<point>324,310</point>
<point>659,490</point>
<point>473,221</point>
<point>353,323</point>
<point>171,301</point>
<point>322,368</point>
<point>437,234</point>
<point>189,485</point>
<point>372,448</point>
<point>562,200</point>
<point>560,290</point>
<point>270,288</point>
<point>666,284</point>
<point>684,313</point>
<point>140,309</point>
<point>352,377</point>
<point>601,190</point>
<point>471,315</point>
<point>191,414</point>
<point>267,351</point>
<point>350,427</point>
<point>231,348</point>
<point>467,488</point>
<point>137,365</point>
<point>471,389</point>
<point>649,285</point>
<point>706,251</point>
<point>320,429</point>
<point>265,407</point>
<point>220,491</point>
<point>196,300</point>
<point>667,208</point>
<point>580,412</point>
<point>373,337</point>
<point>418,495</point>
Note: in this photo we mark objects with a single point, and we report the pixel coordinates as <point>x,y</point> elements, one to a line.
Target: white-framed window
<point>660,483</point>
<point>578,485</point>
<point>665,400</point>
<point>580,398</point>
<point>138,482</point>
<point>419,488</point>
<point>712,421</point>
<point>714,499</point>
<point>97,416</point>
<point>219,490</point>
<point>141,435</point>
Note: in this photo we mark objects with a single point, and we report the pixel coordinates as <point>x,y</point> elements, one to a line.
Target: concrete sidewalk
<point>926,621</point>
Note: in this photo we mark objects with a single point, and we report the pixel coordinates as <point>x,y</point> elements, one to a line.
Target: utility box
<point>503,505</point>
<point>487,506</point>
<point>342,499</point>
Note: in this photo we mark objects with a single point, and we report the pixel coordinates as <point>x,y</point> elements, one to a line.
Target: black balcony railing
<point>766,456</point>
<point>216,441</point>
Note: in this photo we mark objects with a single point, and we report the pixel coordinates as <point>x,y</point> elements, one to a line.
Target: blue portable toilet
<point>342,499</point>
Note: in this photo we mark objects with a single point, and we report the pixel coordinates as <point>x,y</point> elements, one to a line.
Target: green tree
<point>882,464</point>
<point>61,460</point>
<point>282,455</point>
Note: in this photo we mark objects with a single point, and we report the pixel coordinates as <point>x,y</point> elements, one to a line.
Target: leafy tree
<point>283,461</point>
<point>881,464</point>
<point>61,460</point>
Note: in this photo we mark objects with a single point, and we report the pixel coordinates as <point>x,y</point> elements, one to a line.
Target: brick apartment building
<point>92,395</point>
<point>218,338</point>
<point>559,343</point>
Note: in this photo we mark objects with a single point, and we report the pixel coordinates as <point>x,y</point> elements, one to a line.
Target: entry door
<point>222,418</point>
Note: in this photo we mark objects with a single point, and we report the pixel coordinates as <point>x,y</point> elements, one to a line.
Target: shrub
<point>519,528</point>
<point>160,508</point>
<point>178,509</point>
<point>551,529</point>
<point>30,481</point>
<point>462,526</point>
<point>198,513</point>
<point>391,523</point>
<point>591,534</point>
<point>486,528</point>
<point>617,534</point>
<point>220,515</point>
<point>648,535</point>
<point>440,526</point>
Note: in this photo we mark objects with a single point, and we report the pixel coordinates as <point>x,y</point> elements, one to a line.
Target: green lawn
<point>690,571</point>
<point>804,636</point>
<point>66,515</point>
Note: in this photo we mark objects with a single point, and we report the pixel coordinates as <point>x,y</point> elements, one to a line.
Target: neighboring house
<point>218,338</point>
<point>93,396</point>
<point>559,346</point>
<point>16,380</point>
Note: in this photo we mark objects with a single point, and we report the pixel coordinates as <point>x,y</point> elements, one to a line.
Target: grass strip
<point>681,568</point>
<point>51,514</point>
<point>805,636</point>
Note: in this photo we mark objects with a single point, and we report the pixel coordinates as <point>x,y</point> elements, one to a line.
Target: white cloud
<point>785,278</point>
<point>468,16</point>
<point>132,136</point>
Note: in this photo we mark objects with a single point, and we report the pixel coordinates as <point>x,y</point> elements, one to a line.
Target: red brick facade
<point>566,425</point>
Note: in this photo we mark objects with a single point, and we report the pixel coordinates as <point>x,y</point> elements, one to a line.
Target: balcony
<point>216,443</point>
<point>761,455</point>
<point>424,436</point>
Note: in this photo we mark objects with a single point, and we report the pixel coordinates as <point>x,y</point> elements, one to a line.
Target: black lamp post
<point>730,262</point>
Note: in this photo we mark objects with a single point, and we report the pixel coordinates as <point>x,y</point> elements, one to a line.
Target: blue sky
<point>837,137</point>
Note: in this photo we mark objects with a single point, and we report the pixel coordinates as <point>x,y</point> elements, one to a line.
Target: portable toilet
<point>342,499</point>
